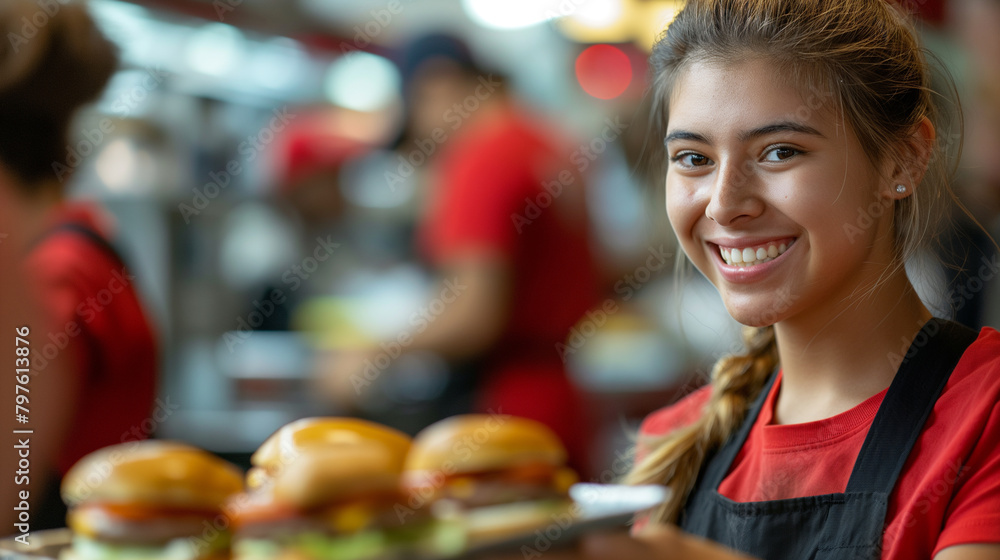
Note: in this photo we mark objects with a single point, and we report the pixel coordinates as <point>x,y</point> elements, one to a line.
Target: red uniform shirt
<point>504,186</point>
<point>949,490</point>
<point>94,315</point>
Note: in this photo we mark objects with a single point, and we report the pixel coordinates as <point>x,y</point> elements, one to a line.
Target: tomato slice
<point>262,512</point>
<point>529,474</point>
<point>264,509</point>
<point>143,512</point>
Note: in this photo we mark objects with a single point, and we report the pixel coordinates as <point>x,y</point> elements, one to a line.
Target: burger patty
<point>482,493</point>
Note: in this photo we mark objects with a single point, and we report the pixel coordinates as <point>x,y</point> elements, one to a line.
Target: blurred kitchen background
<point>209,111</point>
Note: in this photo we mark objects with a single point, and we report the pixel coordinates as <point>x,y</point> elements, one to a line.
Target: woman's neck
<point>834,362</point>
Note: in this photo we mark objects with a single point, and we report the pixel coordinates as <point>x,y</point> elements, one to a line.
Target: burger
<point>499,475</point>
<point>329,488</point>
<point>153,500</point>
<point>292,440</point>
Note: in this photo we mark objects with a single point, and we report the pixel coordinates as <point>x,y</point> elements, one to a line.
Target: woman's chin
<point>754,316</point>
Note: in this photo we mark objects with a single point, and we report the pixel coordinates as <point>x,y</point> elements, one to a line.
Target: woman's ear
<point>909,170</point>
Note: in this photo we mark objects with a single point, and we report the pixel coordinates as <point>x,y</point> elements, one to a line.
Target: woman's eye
<point>691,160</point>
<point>781,153</point>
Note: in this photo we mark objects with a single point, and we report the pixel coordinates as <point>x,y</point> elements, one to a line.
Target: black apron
<point>846,526</point>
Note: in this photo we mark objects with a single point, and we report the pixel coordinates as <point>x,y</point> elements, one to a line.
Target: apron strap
<point>910,399</point>
<point>718,466</point>
<point>86,232</point>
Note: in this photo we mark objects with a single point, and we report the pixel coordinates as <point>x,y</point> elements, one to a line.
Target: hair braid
<point>676,459</point>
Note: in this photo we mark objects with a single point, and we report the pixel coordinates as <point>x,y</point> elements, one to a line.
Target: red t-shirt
<point>493,193</point>
<point>96,317</point>
<point>505,186</point>
<point>949,490</point>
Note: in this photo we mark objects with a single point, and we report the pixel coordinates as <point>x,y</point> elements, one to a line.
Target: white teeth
<point>751,257</point>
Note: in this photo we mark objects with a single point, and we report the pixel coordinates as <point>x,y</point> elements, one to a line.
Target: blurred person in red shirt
<point>506,229</point>
<point>94,321</point>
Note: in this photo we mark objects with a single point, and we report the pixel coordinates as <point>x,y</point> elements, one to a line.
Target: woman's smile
<point>744,262</point>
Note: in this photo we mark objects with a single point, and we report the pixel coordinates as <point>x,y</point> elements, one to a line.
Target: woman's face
<point>765,173</point>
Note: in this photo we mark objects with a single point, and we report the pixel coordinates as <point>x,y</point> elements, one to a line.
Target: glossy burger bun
<point>479,442</point>
<point>154,473</point>
<point>330,474</point>
<point>307,435</point>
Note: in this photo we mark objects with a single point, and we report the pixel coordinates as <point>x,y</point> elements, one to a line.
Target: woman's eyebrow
<point>785,126</point>
<point>685,135</point>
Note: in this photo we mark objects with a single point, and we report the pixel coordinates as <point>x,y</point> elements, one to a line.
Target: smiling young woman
<point>856,424</point>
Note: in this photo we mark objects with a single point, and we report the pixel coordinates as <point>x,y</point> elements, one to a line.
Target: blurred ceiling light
<point>118,164</point>
<point>215,49</point>
<point>362,81</point>
<point>620,21</point>
<point>510,14</point>
<point>652,18</point>
<point>599,13</point>
<point>604,71</point>
<point>278,64</point>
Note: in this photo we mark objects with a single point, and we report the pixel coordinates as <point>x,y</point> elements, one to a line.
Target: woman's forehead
<point>747,94</point>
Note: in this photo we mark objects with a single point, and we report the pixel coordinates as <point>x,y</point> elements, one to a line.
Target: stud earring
<point>901,189</point>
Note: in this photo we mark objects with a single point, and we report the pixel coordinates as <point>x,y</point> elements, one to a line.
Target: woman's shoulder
<point>678,415</point>
<point>986,348</point>
<point>978,371</point>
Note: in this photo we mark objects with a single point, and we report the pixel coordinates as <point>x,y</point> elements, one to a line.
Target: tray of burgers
<point>336,489</point>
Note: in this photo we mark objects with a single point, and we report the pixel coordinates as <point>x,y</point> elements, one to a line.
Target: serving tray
<point>598,506</point>
<point>42,545</point>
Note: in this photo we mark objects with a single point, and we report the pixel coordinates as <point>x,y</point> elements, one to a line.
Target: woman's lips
<point>743,272</point>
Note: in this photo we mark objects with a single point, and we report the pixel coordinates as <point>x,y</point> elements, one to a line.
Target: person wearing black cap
<point>506,228</point>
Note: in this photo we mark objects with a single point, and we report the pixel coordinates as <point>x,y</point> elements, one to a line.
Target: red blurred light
<point>604,71</point>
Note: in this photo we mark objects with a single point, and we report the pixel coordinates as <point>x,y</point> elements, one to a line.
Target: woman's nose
<point>735,196</point>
